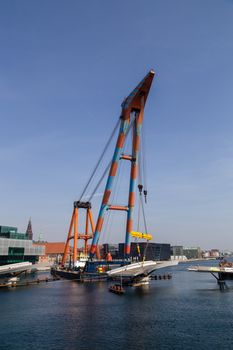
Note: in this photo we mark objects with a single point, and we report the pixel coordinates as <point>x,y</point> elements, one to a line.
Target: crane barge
<point>131,119</point>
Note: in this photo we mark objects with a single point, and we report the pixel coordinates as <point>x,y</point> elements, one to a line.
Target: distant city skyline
<point>65,69</point>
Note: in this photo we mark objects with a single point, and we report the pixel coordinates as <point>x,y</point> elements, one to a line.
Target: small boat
<point>117,289</point>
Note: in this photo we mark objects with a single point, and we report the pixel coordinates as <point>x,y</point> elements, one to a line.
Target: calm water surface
<point>187,312</point>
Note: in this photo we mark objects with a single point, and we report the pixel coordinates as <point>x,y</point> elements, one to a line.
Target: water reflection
<point>168,314</point>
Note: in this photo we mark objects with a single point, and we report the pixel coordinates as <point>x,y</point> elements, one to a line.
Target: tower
<point>29,232</point>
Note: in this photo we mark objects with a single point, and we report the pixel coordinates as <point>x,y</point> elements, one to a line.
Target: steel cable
<point>109,164</point>
<point>100,159</point>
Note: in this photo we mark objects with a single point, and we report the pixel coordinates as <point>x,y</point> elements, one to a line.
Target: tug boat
<point>117,289</point>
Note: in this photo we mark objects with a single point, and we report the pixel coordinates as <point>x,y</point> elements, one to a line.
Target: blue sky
<point>65,69</point>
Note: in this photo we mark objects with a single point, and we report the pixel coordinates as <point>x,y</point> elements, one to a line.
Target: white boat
<point>81,262</point>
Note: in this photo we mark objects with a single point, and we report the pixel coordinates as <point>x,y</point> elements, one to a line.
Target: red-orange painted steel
<point>134,171</point>
<point>117,207</point>
<point>106,196</point>
<point>99,224</point>
<point>93,248</point>
<point>76,235</point>
<point>129,225</point>
<point>120,141</point>
<point>68,239</point>
<point>126,157</point>
<point>113,169</point>
<point>132,199</point>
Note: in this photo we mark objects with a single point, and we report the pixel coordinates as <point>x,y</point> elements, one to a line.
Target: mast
<point>132,112</point>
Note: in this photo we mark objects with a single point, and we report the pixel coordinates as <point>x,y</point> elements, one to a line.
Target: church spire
<point>29,232</point>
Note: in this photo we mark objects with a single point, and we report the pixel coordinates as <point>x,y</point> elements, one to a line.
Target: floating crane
<point>131,116</point>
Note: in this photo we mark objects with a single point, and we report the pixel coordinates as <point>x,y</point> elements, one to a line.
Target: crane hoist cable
<point>147,236</point>
<point>142,187</point>
<point>139,215</point>
<point>140,168</point>
<point>143,214</point>
<point>99,182</point>
<point>144,165</point>
<point>100,159</point>
<point>138,234</point>
<point>108,166</point>
<point>144,176</point>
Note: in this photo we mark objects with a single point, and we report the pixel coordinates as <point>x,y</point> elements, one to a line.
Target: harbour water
<point>187,312</point>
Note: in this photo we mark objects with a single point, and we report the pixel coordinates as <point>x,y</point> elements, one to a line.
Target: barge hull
<point>79,276</point>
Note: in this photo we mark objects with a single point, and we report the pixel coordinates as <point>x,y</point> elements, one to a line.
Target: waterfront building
<point>177,250</point>
<point>17,247</point>
<point>53,251</point>
<point>192,252</point>
<point>109,248</point>
<point>177,253</point>
<point>214,253</point>
<point>154,251</point>
<point>227,253</point>
<point>206,254</point>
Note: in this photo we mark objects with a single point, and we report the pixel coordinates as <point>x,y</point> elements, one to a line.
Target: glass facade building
<point>177,250</point>
<point>152,251</point>
<point>192,253</point>
<point>16,247</point>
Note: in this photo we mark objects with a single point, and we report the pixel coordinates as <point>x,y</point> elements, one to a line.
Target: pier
<point>14,284</point>
<point>220,273</point>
